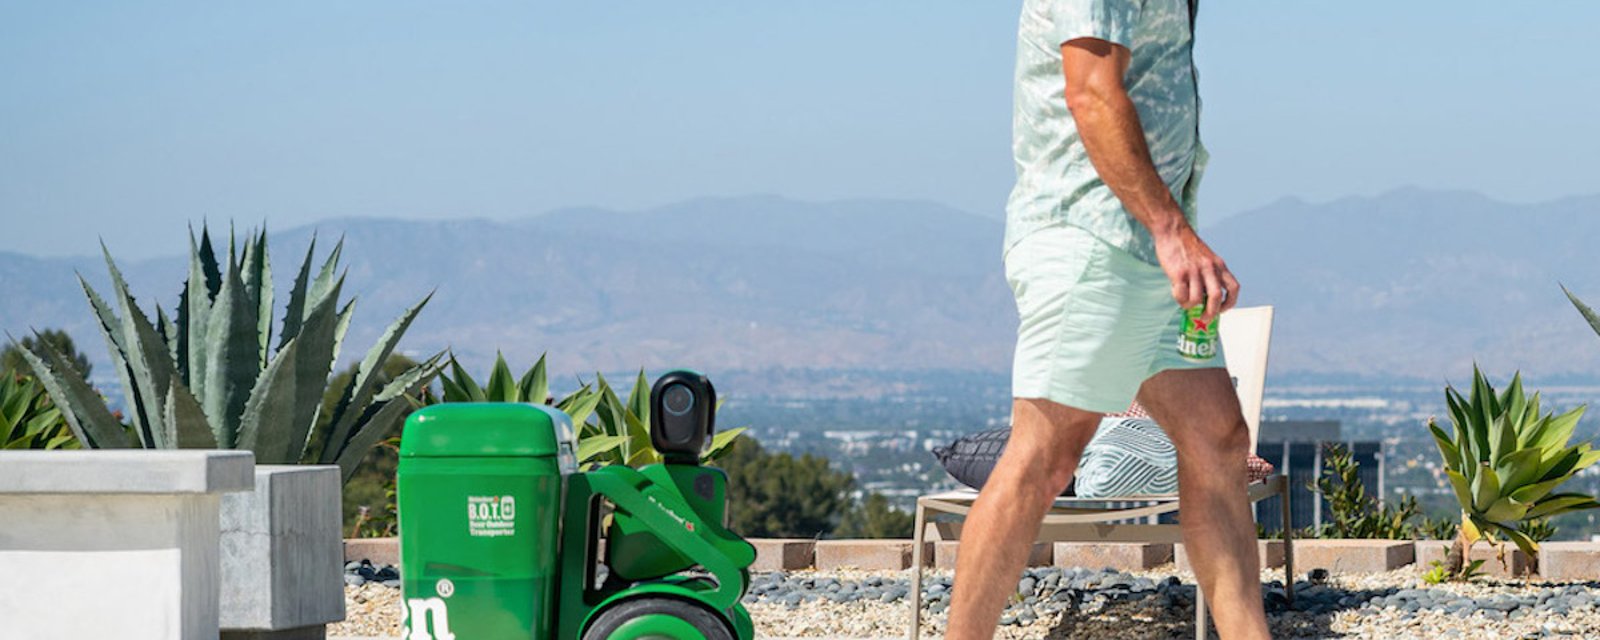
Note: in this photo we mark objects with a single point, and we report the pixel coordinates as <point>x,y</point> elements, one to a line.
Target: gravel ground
<point>1078,603</point>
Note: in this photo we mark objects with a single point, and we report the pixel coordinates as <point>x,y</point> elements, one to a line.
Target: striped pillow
<point>1127,457</point>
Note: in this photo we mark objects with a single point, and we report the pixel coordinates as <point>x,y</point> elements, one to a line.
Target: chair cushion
<point>1128,457</point>
<point>970,458</point>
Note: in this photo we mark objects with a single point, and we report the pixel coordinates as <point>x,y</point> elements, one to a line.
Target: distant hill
<point>1409,284</point>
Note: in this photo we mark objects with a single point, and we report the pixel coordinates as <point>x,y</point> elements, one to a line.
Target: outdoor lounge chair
<point>1245,334</point>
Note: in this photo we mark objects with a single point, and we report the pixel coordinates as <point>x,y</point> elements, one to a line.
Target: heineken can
<point>1198,340</point>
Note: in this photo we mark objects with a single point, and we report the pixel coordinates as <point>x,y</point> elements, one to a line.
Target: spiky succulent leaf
<point>313,363</point>
<point>580,405</point>
<point>359,393</point>
<point>598,448</point>
<point>151,366</point>
<point>258,282</point>
<point>721,441</point>
<point>502,386</point>
<point>295,313</point>
<point>535,384</point>
<point>267,427</point>
<point>186,421</point>
<point>321,287</point>
<point>232,362</point>
<point>111,329</point>
<point>466,389</point>
<point>1588,314</point>
<point>384,416</point>
<point>639,399</point>
<point>80,404</point>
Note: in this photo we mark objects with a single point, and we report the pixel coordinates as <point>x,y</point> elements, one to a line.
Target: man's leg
<point>1046,440</point>
<point>1200,412</point>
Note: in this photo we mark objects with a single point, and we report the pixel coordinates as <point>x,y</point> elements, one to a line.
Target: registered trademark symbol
<point>445,588</point>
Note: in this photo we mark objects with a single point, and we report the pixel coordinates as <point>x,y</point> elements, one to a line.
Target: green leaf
<point>1485,488</point>
<point>535,384</point>
<point>580,405</point>
<point>321,287</point>
<point>1447,449</point>
<point>111,329</point>
<point>268,427</point>
<point>1523,542</point>
<point>150,363</point>
<point>1506,509</point>
<point>258,282</point>
<point>1558,431</point>
<point>1583,309</point>
<point>1519,468</point>
<point>1561,503</point>
<point>197,299</point>
<point>721,441</point>
<point>591,448</point>
<point>295,314</point>
<point>354,403</point>
<point>314,361</point>
<point>1462,486</point>
<point>465,383</point>
<point>639,399</point>
<point>186,421</point>
<point>84,409</point>
<point>383,417</point>
<point>502,387</point>
<point>232,361</point>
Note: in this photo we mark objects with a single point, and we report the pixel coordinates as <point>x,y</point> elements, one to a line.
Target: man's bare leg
<point>1046,441</point>
<point>1200,411</point>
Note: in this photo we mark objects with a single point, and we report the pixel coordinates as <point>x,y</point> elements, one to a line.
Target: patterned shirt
<point>1056,184</point>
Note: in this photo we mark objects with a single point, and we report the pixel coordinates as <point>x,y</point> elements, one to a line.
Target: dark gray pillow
<point>970,458</point>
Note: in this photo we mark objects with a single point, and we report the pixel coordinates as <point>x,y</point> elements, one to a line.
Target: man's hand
<point>1114,138</point>
<point>1197,273</point>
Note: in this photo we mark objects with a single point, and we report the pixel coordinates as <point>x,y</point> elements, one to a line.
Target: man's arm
<point>1114,138</point>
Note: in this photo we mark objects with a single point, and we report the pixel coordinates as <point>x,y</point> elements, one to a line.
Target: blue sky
<point>127,119</point>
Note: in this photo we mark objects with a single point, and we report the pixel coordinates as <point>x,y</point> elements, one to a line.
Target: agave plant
<point>210,377</point>
<point>1505,460</point>
<point>609,430</point>
<point>28,420</point>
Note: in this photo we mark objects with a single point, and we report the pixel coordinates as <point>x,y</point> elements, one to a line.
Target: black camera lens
<point>678,399</point>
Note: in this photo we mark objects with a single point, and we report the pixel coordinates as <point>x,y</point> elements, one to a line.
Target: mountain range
<point>1411,284</point>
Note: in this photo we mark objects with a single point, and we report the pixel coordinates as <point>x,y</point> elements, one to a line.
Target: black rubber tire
<point>707,623</point>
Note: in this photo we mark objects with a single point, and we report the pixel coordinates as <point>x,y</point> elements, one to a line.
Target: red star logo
<point>689,526</point>
<point>1201,325</point>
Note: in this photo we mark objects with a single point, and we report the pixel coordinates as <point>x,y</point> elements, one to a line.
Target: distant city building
<point>1295,448</point>
<point>1298,431</point>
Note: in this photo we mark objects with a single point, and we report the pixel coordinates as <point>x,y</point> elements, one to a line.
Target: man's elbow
<point>1084,98</point>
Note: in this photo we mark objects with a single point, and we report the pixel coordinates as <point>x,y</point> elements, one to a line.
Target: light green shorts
<point>1096,321</point>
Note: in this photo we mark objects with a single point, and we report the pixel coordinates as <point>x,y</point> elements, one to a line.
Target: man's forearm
<point>1114,139</point>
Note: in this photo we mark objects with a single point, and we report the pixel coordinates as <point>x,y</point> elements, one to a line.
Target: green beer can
<point>1198,340</point>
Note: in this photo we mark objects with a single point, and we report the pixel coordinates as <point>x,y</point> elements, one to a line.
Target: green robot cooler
<point>501,534</point>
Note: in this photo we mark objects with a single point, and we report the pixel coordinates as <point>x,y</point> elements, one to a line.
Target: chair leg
<point>1201,629</point>
<point>1288,546</point>
<point>917,539</point>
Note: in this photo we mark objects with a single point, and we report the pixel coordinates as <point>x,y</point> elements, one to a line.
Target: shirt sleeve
<point>1109,20</point>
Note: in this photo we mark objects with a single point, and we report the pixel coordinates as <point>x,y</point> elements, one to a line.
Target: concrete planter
<point>113,543</point>
<point>281,555</point>
<point>1517,564</point>
<point>1353,556</point>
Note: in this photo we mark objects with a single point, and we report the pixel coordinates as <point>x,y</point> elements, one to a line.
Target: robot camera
<point>682,409</point>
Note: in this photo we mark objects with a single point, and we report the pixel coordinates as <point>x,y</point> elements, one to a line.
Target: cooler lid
<point>479,429</point>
